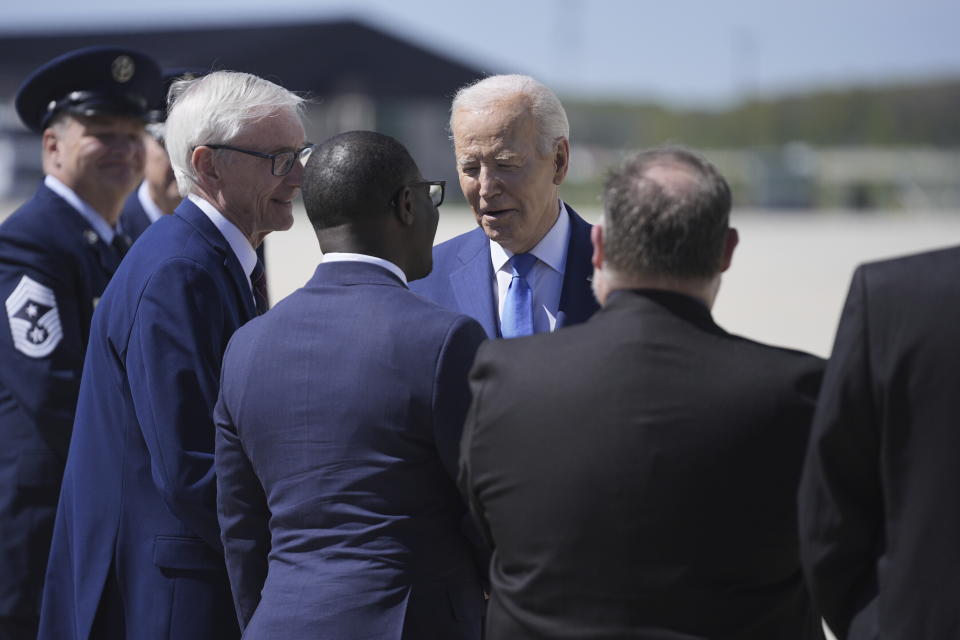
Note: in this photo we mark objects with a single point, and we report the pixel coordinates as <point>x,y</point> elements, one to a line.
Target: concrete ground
<point>786,286</point>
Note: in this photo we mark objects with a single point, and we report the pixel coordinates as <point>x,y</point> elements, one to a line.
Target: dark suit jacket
<point>136,531</point>
<point>880,497</point>
<point>637,476</point>
<point>50,243</point>
<point>133,219</point>
<point>337,439</point>
<point>462,278</point>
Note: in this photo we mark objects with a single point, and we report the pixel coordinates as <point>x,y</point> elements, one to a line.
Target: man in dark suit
<point>339,420</point>
<point>57,253</point>
<point>637,474</point>
<point>158,194</point>
<point>136,549</point>
<point>526,267</point>
<point>879,506</point>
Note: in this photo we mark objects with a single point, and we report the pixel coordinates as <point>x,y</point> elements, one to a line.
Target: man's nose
<point>489,183</point>
<point>295,176</point>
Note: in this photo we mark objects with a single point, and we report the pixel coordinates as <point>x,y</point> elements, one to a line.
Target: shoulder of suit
<point>775,353</point>
<point>474,237</point>
<point>915,277</point>
<point>906,265</point>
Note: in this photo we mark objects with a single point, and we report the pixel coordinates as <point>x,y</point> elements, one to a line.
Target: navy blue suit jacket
<point>133,219</point>
<point>136,531</point>
<point>51,244</point>
<point>462,278</point>
<point>337,437</point>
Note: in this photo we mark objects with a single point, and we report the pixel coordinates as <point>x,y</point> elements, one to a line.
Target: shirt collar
<point>362,257</point>
<point>149,206</point>
<point>234,237</point>
<point>551,250</point>
<point>93,218</point>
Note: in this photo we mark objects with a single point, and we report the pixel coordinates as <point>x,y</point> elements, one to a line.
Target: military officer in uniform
<point>57,253</point>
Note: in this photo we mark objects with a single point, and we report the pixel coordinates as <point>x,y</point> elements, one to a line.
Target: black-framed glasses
<point>282,162</point>
<point>437,190</point>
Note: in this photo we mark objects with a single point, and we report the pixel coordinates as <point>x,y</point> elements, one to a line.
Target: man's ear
<point>203,160</point>
<point>561,161</point>
<point>403,208</point>
<point>596,238</point>
<point>731,242</point>
<point>50,144</point>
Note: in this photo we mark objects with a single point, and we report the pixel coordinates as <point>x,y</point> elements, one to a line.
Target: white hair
<point>544,106</point>
<point>214,109</point>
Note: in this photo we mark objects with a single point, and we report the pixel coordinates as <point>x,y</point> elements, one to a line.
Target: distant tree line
<point>925,114</point>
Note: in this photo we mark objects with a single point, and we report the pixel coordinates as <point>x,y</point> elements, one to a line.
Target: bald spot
<point>674,178</point>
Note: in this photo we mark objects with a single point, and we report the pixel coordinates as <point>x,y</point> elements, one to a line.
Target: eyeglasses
<point>437,189</point>
<point>282,162</point>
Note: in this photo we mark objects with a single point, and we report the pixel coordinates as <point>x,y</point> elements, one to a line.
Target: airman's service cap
<point>91,81</point>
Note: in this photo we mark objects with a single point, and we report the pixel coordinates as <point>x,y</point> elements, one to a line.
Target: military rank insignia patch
<point>34,320</point>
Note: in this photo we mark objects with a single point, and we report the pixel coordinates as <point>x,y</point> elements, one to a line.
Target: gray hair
<point>653,228</point>
<point>544,106</point>
<point>214,109</point>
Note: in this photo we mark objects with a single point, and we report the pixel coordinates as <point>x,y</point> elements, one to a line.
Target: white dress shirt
<point>545,278</point>
<point>149,206</point>
<point>234,237</point>
<point>103,229</point>
<point>343,256</point>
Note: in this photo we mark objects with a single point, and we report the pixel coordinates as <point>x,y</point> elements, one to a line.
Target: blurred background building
<point>357,77</point>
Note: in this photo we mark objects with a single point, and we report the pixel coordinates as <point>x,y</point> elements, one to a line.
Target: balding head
<point>666,221</point>
<point>666,213</point>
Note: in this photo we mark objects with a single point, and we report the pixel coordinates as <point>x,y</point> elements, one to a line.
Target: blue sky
<point>684,51</point>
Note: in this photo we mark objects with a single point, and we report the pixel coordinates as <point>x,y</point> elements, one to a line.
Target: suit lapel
<point>197,219</point>
<point>577,302</point>
<point>472,283</point>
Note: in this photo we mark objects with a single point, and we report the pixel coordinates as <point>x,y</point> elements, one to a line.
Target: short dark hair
<point>353,175</point>
<point>654,229</point>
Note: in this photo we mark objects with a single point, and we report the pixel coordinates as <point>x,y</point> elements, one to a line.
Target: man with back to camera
<point>136,549</point>
<point>637,474</point>
<point>57,253</point>
<point>879,505</point>
<point>526,268</point>
<point>339,422</point>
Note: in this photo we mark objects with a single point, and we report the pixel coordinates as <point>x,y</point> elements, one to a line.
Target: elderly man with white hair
<point>526,267</point>
<point>136,550</point>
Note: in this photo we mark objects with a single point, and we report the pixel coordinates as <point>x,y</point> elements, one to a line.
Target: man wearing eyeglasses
<point>526,267</point>
<point>339,512</point>
<point>136,549</point>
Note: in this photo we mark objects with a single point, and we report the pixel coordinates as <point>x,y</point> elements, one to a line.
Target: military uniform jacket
<point>53,269</point>
<point>462,278</point>
<point>133,219</point>
<point>136,530</point>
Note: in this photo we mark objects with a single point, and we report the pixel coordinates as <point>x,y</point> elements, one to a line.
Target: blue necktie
<point>517,319</point>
